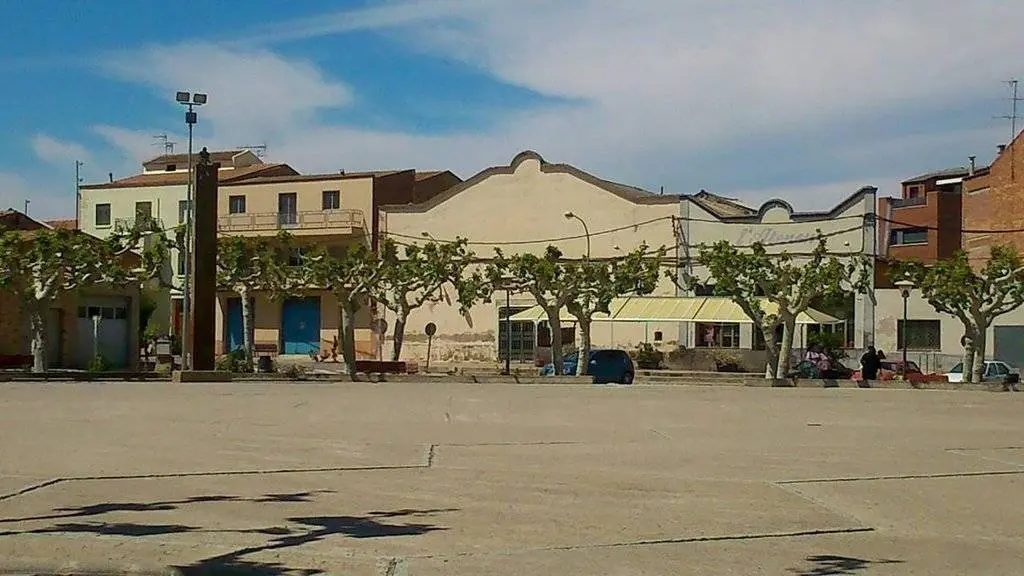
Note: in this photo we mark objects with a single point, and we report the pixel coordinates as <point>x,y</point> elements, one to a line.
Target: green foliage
<point>975,296</point>
<point>98,364</point>
<point>235,361</point>
<point>648,357</point>
<point>726,361</point>
<point>751,278</point>
<point>293,372</point>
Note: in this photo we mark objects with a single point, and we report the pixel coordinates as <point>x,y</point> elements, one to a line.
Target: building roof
<point>720,205</point>
<point>222,156</point>
<point>275,178</point>
<point>631,193</point>
<point>62,224</point>
<point>946,173</point>
<point>226,175</point>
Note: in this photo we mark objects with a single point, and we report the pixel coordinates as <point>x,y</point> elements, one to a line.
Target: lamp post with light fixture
<point>586,230</point>
<point>191,101</point>
<point>905,286</point>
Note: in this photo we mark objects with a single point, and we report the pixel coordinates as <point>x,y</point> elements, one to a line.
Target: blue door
<point>235,337</point>
<point>300,325</point>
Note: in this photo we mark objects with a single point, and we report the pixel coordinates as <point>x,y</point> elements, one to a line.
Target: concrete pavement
<point>439,479</point>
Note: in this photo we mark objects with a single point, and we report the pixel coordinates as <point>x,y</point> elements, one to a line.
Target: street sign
<point>430,329</point>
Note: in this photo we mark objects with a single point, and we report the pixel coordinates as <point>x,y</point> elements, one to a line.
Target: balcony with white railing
<point>308,223</point>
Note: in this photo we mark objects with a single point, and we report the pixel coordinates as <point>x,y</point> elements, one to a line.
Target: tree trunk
<point>37,316</point>
<point>582,363</point>
<point>555,323</point>
<point>786,347</point>
<point>979,351</point>
<point>968,362</point>
<point>772,348</point>
<point>400,320</point>
<point>248,330</point>
<point>347,337</point>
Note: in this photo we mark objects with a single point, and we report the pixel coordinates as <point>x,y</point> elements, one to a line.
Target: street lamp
<point>191,101</point>
<point>905,286</point>
<point>506,283</point>
<point>586,230</point>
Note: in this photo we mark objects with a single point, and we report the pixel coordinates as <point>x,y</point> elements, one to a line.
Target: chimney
<point>970,172</point>
<point>1001,148</point>
<point>110,175</point>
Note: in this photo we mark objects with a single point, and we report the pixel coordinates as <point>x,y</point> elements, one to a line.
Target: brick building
<point>994,200</point>
<point>925,222</point>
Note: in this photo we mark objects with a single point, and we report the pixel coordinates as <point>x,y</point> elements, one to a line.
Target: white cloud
<point>58,152</point>
<point>253,93</point>
<point>654,87</point>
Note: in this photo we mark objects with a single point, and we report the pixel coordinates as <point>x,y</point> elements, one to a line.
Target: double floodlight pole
<point>191,101</point>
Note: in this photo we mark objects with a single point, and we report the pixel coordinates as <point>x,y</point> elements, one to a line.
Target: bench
<point>265,348</point>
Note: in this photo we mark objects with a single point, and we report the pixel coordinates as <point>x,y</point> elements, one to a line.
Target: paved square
<point>414,479</point>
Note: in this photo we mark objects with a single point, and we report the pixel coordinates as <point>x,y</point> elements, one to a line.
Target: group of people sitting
<point>820,363</point>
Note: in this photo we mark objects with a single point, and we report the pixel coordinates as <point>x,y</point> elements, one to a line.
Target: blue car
<point>605,367</point>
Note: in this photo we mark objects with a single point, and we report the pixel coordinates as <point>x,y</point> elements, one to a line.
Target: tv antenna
<point>260,150</point>
<point>1012,117</point>
<point>165,141</point>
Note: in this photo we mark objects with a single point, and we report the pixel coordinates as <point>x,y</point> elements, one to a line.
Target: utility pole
<point>78,193</point>
<point>1012,117</point>
<point>165,141</point>
<point>27,202</point>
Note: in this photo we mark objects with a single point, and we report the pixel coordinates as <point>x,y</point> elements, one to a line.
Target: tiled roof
<point>720,205</point>
<point>181,178</point>
<point>223,156</point>
<point>275,178</point>
<point>947,173</point>
<point>62,224</point>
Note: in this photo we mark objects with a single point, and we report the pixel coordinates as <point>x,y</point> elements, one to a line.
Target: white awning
<point>676,309</point>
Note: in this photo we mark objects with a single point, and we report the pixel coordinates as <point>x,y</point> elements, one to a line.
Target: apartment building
<point>262,198</point>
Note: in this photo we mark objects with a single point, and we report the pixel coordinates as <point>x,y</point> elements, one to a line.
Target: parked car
<point>606,366</point>
<point>807,369</point>
<point>995,371</point>
<point>890,370</point>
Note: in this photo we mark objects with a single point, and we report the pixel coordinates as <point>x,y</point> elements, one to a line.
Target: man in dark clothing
<point>869,364</point>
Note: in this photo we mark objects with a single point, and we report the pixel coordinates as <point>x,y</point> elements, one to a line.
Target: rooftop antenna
<point>165,141</point>
<point>1012,117</point>
<point>260,150</point>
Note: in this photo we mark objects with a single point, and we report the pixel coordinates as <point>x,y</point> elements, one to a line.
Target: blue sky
<point>747,98</point>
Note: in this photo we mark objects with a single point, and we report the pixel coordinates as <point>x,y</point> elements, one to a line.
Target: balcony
<point>310,223</point>
<point>908,202</point>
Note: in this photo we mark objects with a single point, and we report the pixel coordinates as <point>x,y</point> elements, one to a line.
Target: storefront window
<point>718,335</point>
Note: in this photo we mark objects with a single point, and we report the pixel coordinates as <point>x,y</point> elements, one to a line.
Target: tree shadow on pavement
<point>830,565</point>
<point>109,507</point>
<point>313,529</point>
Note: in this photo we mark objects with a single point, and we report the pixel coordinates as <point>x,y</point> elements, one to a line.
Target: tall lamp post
<point>905,286</point>
<point>191,101</point>
<point>586,230</point>
<point>507,285</point>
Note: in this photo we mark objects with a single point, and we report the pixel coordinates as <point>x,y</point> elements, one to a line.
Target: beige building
<point>522,207</point>
<point>261,199</point>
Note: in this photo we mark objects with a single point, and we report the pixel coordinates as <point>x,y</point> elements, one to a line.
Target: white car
<point>995,371</point>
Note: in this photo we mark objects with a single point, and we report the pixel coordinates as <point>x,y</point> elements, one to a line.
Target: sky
<point>751,99</point>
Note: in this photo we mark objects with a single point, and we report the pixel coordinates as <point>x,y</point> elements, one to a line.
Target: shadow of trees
<point>300,530</point>
<point>831,565</point>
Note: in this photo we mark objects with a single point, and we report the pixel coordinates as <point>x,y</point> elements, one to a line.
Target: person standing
<point>870,362</point>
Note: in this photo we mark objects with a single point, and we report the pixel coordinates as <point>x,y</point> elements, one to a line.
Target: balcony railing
<point>907,202</point>
<point>310,220</point>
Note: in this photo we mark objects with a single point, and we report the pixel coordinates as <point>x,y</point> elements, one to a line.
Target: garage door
<point>112,333</point>
<point>300,325</point>
<point>1009,345</point>
<point>235,334</point>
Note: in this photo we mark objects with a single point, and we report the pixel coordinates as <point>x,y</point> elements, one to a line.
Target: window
<point>287,209</point>
<point>913,191</point>
<point>236,204</point>
<point>658,336</point>
<point>181,262</point>
<point>103,214</point>
<point>718,335</point>
<point>295,254</point>
<point>704,290</point>
<point>907,236</point>
<point>143,211</point>
<point>182,211</point>
<point>171,167</point>
<point>332,199</point>
<point>921,334</point>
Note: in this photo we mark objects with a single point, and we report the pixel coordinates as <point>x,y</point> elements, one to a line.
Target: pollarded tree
<point>247,265</point>
<point>598,282</point>
<point>40,266</point>
<point>975,297</point>
<point>420,277</point>
<point>352,277</point>
<point>547,278</point>
<point>752,277</point>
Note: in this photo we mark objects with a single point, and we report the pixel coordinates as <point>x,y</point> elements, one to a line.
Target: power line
<point>962,231</point>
